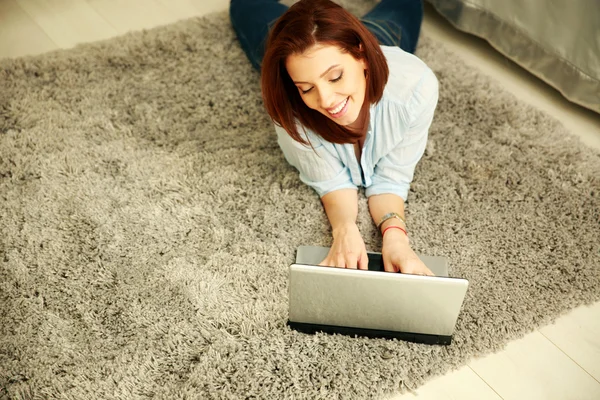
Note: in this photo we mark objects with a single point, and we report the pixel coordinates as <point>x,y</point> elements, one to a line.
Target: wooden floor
<point>560,361</point>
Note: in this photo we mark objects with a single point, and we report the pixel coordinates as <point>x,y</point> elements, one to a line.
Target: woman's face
<point>330,81</point>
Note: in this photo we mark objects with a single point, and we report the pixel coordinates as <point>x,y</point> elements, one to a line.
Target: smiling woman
<point>352,107</point>
<point>326,92</point>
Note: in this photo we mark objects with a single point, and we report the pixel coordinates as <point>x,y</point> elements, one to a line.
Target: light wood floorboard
<point>562,359</point>
<point>19,34</point>
<point>68,22</point>
<point>133,15</point>
<point>189,8</point>
<point>180,9</point>
<point>463,384</point>
<point>533,368</point>
<point>577,334</point>
<point>210,6</point>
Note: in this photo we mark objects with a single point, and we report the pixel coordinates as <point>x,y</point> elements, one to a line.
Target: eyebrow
<point>323,74</point>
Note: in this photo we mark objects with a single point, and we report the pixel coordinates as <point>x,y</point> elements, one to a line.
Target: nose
<point>326,97</point>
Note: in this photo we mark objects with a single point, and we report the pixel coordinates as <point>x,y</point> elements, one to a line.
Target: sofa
<point>556,40</point>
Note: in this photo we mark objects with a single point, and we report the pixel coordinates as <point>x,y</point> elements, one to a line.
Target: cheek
<point>357,86</point>
<point>310,101</point>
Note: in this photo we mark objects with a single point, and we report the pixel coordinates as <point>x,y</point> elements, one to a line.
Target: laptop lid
<point>313,255</point>
<point>373,303</point>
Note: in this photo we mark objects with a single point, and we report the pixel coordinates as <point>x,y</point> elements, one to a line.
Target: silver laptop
<point>373,302</point>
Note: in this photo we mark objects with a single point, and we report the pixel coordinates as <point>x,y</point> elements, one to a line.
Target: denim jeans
<point>393,22</point>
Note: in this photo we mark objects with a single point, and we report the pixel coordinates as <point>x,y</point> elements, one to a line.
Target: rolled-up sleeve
<point>318,168</point>
<point>394,172</point>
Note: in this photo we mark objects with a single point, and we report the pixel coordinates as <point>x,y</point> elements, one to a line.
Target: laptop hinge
<point>372,333</point>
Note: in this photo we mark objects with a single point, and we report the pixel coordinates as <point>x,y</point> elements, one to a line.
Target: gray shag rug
<point>148,219</point>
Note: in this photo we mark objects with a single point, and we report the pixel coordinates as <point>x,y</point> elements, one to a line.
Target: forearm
<point>382,204</point>
<point>348,248</point>
<point>341,207</point>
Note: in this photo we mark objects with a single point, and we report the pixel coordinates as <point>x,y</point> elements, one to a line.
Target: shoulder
<point>285,140</point>
<point>410,94</point>
<point>409,77</point>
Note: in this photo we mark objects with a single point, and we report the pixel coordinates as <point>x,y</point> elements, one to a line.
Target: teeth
<point>340,107</point>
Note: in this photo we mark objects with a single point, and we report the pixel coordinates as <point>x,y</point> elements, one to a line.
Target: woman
<point>352,107</point>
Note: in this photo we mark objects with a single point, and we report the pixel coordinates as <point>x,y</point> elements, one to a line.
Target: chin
<point>349,121</point>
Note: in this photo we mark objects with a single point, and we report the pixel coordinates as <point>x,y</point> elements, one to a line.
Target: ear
<point>362,59</point>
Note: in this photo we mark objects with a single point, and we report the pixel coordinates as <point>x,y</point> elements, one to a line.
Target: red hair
<point>303,25</point>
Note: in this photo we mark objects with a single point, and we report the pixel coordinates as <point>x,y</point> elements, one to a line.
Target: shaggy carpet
<point>148,219</point>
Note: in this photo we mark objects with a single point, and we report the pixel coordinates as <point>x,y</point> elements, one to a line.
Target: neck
<point>361,124</point>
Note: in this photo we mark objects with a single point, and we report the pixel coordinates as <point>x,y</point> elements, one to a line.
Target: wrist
<point>342,227</point>
<point>391,219</point>
<point>397,243</point>
<point>393,222</point>
<point>395,234</point>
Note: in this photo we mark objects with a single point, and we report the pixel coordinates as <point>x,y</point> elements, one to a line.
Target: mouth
<point>340,109</point>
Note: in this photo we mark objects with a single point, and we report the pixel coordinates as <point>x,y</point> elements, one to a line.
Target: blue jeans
<point>393,22</point>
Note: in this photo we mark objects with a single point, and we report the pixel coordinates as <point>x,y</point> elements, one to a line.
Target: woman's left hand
<point>398,256</point>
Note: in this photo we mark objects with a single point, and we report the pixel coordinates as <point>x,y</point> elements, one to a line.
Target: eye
<point>338,78</point>
<point>305,91</point>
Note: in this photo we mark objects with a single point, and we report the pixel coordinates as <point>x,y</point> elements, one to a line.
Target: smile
<point>340,109</point>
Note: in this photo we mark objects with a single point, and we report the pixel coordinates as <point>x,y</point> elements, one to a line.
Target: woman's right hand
<point>348,249</point>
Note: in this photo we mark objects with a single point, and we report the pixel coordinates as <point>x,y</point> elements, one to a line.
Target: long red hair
<point>303,25</point>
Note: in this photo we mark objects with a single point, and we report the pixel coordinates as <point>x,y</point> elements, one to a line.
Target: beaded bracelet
<point>396,227</point>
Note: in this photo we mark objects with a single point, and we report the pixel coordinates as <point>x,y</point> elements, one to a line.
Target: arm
<point>392,178</point>
<point>325,173</point>
<point>348,249</point>
<point>396,251</point>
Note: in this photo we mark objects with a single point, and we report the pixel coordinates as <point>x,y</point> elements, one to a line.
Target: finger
<point>388,266</point>
<point>341,262</point>
<point>351,261</point>
<point>327,262</point>
<point>363,262</point>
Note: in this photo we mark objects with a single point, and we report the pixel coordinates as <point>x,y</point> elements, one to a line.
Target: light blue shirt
<point>395,140</point>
